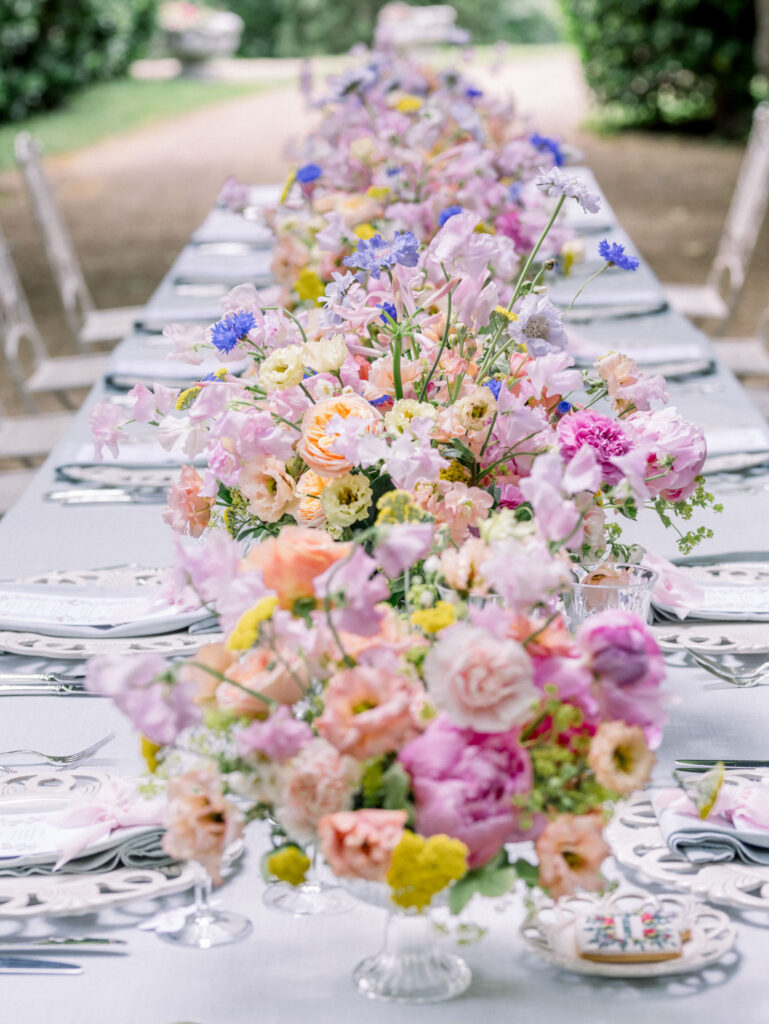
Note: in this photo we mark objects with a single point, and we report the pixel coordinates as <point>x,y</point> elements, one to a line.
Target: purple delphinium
<point>616,256</point>
<point>231,329</point>
<point>308,173</point>
<point>448,213</point>
<point>389,312</point>
<point>375,253</point>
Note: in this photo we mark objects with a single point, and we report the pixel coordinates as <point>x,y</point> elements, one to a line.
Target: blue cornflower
<point>616,256</point>
<point>230,329</point>
<point>563,407</point>
<point>375,253</point>
<point>389,309</point>
<point>493,385</point>
<point>392,171</point>
<point>473,94</point>
<point>379,401</point>
<point>308,173</point>
<point>547,145</point>
<point>448,213</point>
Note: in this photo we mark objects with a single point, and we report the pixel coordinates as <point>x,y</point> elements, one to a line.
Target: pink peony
<point>360,844</point>
<point>464,783</point>
<point>481,682</point>
<point>369,711</point>
<point>188,510</point>
<point>317,782</point>
<point>667,436</point>
<point>604,435</point>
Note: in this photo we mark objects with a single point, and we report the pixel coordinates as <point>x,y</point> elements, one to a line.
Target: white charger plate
<point>550,932</point>
<point>734,591</point>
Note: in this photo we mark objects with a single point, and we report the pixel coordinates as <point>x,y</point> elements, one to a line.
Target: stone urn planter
<point>198,35</point>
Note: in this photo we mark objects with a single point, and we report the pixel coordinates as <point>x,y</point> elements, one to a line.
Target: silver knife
<point>65,944</point>
<point>74,688</point>
<point>26,965</point>
<point>704,765</point>
<point>108,496</point>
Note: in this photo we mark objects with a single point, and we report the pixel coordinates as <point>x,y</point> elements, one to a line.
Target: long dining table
<point>291,969</point>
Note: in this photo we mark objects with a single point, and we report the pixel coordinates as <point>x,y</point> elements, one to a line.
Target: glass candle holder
<point>599,588</point>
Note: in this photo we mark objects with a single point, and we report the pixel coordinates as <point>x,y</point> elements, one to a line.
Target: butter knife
<point>64,944</point>
<point>704,765</point>
<point>26,965</point>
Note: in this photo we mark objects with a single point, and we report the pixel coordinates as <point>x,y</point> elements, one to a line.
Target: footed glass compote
<point>311,897</point>
<point>410,967</point>
<point>205,926</point>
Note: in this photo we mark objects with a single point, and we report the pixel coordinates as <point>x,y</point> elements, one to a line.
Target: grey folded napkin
<point>729,833</point>
<point>139,851</point>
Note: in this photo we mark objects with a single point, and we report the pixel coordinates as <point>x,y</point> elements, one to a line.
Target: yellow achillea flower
<point>408,104</point>
<point>421,867</point>
<point>377,192</point>
<point>484,229</point>
<point>287,187</point>
<point>187,397</point>
<point>149,751</point>
<point>506,313</point>
<point>432,620</point>
<point>398,507</point>
<point>454,472</point>
<point>289,865</point>
<point>309,286</point>
<point>246,629</point>
<point>365,231</point>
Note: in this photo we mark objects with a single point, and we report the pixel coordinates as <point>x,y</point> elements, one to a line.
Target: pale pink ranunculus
<point>360,844</point>
<point>480,681</point>
<point>369,711</point>
<point>571,850</point>
<point>317,782</point>
<point>262,672</point>
<point>188,510</point>
<point>291,562</point>
<point>269,489</point>
<point>201,822</point>
<point>667,436</point>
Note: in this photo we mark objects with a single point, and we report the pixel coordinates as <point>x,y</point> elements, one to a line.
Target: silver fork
<point>57,760</point>
<point>740,676</point>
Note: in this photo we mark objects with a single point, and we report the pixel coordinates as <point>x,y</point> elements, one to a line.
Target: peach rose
<point>268,488</point>
<point>188,510</point>
<point>316,445</point>
<point>317,782</point>
<point>262,672</point>
<point>369,711</point>
<point>360,844</point>
<point>309,511</point>
<point>215,656</point>
<point>571,850</point>
<point>290,562</point>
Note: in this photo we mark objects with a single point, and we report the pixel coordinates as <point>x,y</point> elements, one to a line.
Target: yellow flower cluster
<point>421,867</point>
<point>187,397</point>
<point>246,629</point>
<point>434,619</point>
<point>454,472</point>
<point>398,507</point>
<point>289,865</point>
<point>364,231</point>
<point>309,286</point>
<point>408,104</point>
<point>149,751</point>
<point>506,313</point>
<point>377,192</point>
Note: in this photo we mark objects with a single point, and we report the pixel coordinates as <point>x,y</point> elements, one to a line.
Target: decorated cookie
<point>644,935</point>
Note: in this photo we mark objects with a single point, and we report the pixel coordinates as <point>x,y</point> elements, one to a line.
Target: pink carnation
<point>604,435</point>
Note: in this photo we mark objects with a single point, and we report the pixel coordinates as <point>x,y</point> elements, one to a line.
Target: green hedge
<point>52,47</point>
<point>289,28</point>
<point>655,63</point>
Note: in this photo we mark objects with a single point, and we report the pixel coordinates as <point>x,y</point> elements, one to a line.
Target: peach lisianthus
<point>571,850</point>
<point>381,381</point>
<point>261,671</point>
<point>269,489</point>
<point>188,510</point>
<point>317,443</point>
<point>289,563</point>
<point>620,757</point>
<point>461,566</point>
<point>360,844</point>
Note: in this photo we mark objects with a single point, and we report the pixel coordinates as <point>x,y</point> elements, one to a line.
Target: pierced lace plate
<point>171,645</point>
<point>732,591</point>
<point>73,894</point>
<point>713,637</point>
<point>119,475</point>
<point>549,931</point>
<point>637,843</point>
<point>113,576</point>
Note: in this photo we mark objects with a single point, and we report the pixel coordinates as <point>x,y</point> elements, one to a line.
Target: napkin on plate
<point>736,829</point>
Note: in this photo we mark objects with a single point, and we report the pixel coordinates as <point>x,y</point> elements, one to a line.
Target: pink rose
<point>360,844</point>
<point>667,436</point>
<point>188,510</point>
<point>369,711</point>
<point>290,562</point>
<point>481,681</point>
<point>464,783</point>
<point>317,782</point>
<point>604,435</point>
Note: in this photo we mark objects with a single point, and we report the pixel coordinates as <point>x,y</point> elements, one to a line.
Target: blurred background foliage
<point>683,64</point>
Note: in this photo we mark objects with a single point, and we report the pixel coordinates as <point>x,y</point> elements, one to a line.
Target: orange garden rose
<point>316,444</point>
<point>291,562</point>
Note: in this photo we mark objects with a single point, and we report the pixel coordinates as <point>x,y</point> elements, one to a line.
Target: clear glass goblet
<point>205,926</point>
<point>313,896</point>
<point>598,588</point>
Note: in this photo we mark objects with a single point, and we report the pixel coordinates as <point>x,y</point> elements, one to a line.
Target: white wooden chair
<point>88,324</point>
<point>23,439</point>
<point>32,370</point>
<point>717,298</point>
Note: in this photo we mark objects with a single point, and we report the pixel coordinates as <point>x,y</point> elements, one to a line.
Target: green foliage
<point>492,880</point>
<point>657,63</point>
<point>289,28</point>
<point>53,47</point>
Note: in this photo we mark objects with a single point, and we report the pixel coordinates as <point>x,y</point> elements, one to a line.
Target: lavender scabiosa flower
<point>555,183</point>
<point>539,326</point>
<point>616,256</point>
<point>375,253</point>
<point>227,332</point>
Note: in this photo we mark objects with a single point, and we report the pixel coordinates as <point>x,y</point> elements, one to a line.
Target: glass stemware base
<point>209,928</point>
<point>312,897</point>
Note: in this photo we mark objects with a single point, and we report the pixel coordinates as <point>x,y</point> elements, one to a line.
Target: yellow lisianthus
<point>434,619</point>
<point>421,867</point>
<point>365,231</point>
<point>289,865</point>
<point>246,629</point>
<point>309,286</point>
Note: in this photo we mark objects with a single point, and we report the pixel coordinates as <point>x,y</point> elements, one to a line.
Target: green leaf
<point>526,871</point>
<point>396,783</point>
<point>491,880</point>
<point>463,452</point>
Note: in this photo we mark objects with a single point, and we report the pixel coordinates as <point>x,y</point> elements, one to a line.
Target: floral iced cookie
<point>645,935</point>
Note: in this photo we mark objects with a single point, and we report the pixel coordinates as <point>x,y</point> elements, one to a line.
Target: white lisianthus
<point>346,499</point>
<point>282,369</point>
<point>502,525</point>
<point>474,411</point>
<point>399,418</point>
<point>326,355</point>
